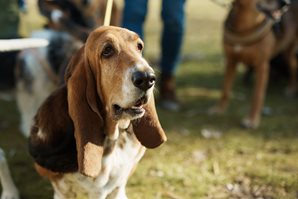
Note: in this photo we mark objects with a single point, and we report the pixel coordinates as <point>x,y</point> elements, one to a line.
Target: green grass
<point>241,163</point>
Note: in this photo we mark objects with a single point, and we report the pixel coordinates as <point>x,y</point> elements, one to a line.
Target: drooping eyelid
<point>141,42</point>
<point>139,45</point>
<point>107,44</point>
<point>104,46</point>
<point>110,42</point>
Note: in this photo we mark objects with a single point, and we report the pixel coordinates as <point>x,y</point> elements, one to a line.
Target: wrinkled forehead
<point>110,34</point>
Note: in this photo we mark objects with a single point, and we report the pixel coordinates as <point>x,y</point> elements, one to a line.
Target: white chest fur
<point>120,158</point>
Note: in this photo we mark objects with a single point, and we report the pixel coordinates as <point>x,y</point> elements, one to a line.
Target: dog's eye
<point>140,46</point>
<point>108,51</point>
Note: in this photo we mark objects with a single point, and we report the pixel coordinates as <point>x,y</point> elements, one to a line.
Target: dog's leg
<point>291,58</point>
<point>9,190</point>
<point>118,193</point>
<point>253,119</point>
<point>27,106</point>
<point>121,193</point>
<point>227,87</point>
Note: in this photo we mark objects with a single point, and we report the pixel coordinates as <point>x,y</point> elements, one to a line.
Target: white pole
<point>108,13</point>
<point>20,44</point>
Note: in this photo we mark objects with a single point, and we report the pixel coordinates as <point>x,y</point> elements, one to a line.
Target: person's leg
<point>172,36</point>
<point>171,43</point>
<point>134,15</point>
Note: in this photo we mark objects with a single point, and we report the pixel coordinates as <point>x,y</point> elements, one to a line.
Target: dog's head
<point>124,79</point>
<point>273,8</point>
<point>109,82</point>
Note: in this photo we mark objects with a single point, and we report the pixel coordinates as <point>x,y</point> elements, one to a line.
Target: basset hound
<point>38,70</point>
<point>89,134</point>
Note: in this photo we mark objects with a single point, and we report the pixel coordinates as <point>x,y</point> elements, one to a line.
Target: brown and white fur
<point>90,134</point>
<point>36,76</point>
<point>248,38</point>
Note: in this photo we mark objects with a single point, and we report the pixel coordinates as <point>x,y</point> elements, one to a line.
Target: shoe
<point>167,96</point>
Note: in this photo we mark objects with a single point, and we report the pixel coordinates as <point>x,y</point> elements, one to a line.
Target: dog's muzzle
<point>136,110</point>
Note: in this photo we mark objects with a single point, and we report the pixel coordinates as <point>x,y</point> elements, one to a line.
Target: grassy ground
<point>233,163</point>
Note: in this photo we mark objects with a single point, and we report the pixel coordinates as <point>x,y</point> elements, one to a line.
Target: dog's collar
<point>283,8</point>
<point>233,37</point>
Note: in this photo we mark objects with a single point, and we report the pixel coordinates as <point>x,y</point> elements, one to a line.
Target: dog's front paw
<point>11,194</point>
<point>250,123</point>
<point>216,110</point>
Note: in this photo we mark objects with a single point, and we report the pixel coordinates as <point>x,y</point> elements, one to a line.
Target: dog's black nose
<point>143,80</point>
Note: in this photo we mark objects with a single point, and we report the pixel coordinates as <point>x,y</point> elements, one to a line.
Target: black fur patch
<point>58,151</point>
<point>56,52</point>
<point>57,156</point>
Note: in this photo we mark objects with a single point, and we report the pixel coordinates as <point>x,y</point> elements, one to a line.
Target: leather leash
<point>107,19</point>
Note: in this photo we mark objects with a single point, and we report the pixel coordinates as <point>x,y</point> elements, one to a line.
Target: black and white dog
<point>38,72</point>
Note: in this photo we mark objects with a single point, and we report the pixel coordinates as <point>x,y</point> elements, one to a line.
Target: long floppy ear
<point>148,129</point>
<point>83,104</point>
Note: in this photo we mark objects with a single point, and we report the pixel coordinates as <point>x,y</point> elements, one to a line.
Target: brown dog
<point>90,134</point>
<point>249,38</point>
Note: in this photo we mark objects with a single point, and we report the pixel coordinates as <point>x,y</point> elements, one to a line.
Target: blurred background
<point>205,156</point>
